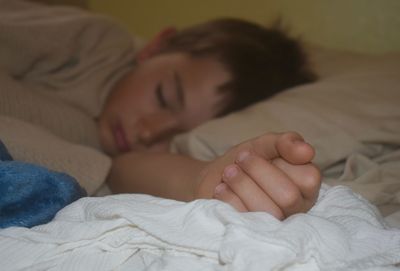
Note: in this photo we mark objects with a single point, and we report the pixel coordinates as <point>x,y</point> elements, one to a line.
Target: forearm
<point>160,174</point>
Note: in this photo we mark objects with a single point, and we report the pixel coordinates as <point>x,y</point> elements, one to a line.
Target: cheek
<point>197,115</point>
<point>159,126</point>
<point>131,100</point>
<point>203,104</point>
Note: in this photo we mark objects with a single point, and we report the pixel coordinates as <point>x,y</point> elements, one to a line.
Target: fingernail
<point>243,155</point>
<point>219,188</point>
<point>230,171</point>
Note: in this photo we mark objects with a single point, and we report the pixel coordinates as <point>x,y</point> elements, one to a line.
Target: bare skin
<point>271,173</point>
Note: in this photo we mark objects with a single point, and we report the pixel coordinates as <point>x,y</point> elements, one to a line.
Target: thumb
<point>289,145</point>
<point>292,147</point>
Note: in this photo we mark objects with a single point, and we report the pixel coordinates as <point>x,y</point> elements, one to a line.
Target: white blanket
<point>137,232</point>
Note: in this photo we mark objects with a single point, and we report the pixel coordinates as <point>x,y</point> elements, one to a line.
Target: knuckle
<point>312,177</point>
<point>260,140</point>
<point>248,161</point>
<point>290,199</point>
<point>280,163</point>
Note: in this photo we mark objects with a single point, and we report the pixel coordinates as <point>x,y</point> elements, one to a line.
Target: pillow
<point>32,144</point>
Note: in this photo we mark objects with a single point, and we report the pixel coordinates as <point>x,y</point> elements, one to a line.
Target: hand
<point>271,173</point>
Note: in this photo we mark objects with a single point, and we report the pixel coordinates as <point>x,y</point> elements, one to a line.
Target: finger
<point>266,145</point>
<point>252,196</point>
<point>290,145</point>
<point>306,177</point>
<point>273,181</point>
<point>223,193</point>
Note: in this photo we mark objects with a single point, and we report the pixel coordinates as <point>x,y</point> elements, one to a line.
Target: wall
<point>78,3</point>
<point>361,25</point>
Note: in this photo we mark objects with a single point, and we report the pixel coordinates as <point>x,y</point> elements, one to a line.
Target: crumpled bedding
<point>139,232</point>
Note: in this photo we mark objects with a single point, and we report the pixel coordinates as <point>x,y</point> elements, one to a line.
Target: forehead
<point>196,68</point>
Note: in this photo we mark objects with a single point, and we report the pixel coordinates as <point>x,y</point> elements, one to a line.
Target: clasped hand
<point>271,173</point>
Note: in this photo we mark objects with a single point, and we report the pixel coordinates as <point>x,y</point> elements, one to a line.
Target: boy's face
<point>164,95</point>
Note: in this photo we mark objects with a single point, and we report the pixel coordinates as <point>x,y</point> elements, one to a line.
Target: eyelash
<point>160,97</point>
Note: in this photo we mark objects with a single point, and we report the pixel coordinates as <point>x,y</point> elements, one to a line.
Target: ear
<point>155,44</point>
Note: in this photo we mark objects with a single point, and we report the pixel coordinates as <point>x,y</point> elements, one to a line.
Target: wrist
<point>207,179</point>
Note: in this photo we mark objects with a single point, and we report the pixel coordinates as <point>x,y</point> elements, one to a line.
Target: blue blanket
<point>30,194</point>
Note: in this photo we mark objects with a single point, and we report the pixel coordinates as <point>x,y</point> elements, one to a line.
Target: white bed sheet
<point>139,232</point>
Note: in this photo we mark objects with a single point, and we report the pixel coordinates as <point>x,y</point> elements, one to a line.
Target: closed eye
<point>160,96</point>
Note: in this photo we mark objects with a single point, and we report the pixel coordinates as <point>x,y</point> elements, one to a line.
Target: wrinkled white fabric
<point>139,232</point>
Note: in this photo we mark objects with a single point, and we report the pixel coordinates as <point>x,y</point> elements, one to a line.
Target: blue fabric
<point>31,195</point>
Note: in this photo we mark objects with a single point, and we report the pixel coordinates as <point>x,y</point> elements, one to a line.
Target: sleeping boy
<point>183,79</point>
<point>67,62</point>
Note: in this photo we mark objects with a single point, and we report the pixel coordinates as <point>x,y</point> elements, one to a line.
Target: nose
<point>154,129</point>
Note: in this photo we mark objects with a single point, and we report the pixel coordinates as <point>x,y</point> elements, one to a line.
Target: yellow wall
<point>360,25</point>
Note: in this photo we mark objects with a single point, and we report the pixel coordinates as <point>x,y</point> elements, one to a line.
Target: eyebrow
<point>179,89</point>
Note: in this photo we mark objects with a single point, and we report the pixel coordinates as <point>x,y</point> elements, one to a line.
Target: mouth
<point>120,138</point>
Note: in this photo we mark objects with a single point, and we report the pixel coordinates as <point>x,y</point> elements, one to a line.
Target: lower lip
<point>120,139</point>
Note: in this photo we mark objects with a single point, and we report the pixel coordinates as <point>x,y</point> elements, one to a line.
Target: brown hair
<point>262,61</point>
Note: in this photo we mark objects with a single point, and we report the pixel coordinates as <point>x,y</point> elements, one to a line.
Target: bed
<point>352,117</point>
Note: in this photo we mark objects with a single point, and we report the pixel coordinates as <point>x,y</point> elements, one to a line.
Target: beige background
<point>371,26</point>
